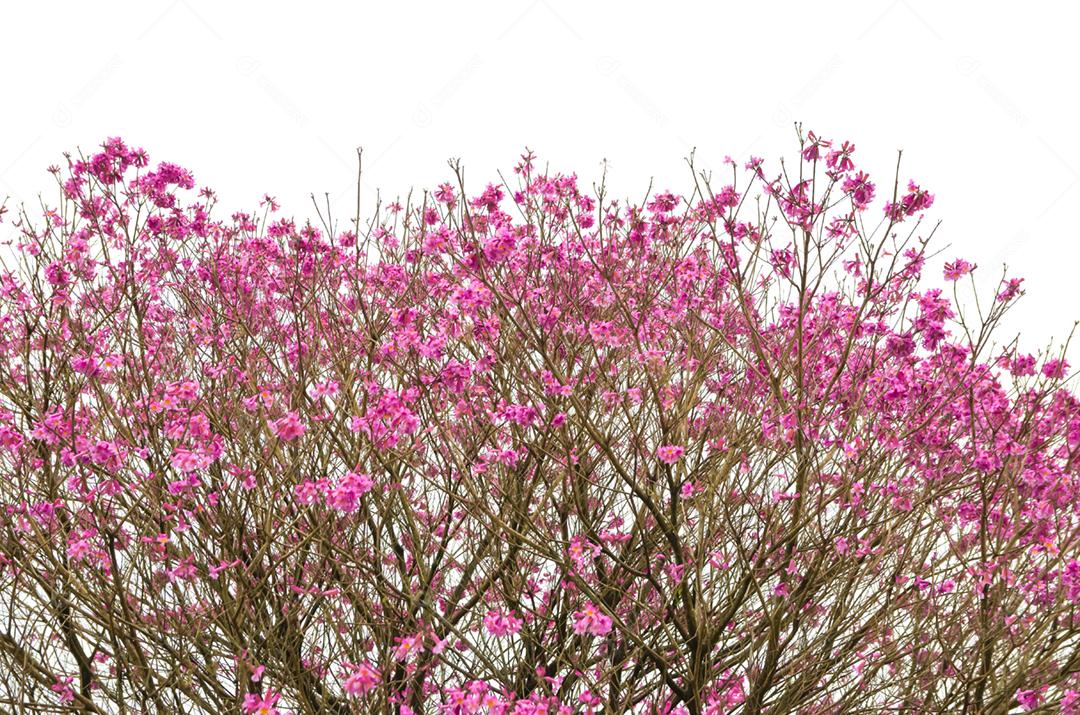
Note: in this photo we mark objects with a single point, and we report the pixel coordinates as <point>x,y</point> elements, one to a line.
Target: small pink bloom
<point>582,552</point>
<point>363,679</point>
<point>590,620</point>
<point>345,497</point>
<point>1028,699</point>
<point>1055,368</point>
<point>261,705</point>
<point>215,571</point>
<point>1070,703</point>
<point>63,688</point>
<point>325,389</point>
<point>860,189</point>
<point>501,623</point>
<point>306,492</point>
<point>408,645</point>
<point>841,545</point>
<point>79,550</point>
<point>187,460</point>
<point>445,194</point>
<point>1010,290</point>
<point>670,453</point>
<point>957,269</point>
<point>288,427</point>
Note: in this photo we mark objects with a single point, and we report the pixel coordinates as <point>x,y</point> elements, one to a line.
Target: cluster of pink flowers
<point>590,620</point>
<point>289,427</point>
<point>501,623</point>
<point>362,678</point>
<point>345,495</point>
<point>957,269</point>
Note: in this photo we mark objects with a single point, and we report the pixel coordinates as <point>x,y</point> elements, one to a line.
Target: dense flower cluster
<point>525,451</point>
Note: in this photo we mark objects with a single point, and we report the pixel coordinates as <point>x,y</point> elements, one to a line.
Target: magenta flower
<point>957,269</point>
<point>1028,699</point>
<point>288,427</point>
<point>1010,289</point>
<point>670,453</point>
<point>187,460</point>
<point>914,201</point>
<point>1055,368</point>
<point>345,496</point>
<point>590,620</point>
<point>255,704</point>
<point>445,194</point>
<point>501,623</point>
<point>408,646</point>
<point>1070,702</point>
<point>62,687</point>
<point>860,189</point>
<point>362,679</point>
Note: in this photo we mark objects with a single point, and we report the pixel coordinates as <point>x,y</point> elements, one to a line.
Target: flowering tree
<point>525,451</point>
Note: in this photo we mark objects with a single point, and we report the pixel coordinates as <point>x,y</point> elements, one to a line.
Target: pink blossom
<point>289,427</point>
<point>63,688</point>
<point>501,623</point>
<point>582,551</point>
<point>841,545</point>
<point>445,194</point>
<point>1028,699</point>
<point>1055,368</point>
<point>408,646</point>
<point>345,496</point>
<point>306,492</point>
<point>670,453</point>
<point>914,201</point>
<point>362,679</point>
<point>262,705</point>
<point>590,620</point>
<point>187,460</point>
<point>957,269</point>
<point>860,189</point>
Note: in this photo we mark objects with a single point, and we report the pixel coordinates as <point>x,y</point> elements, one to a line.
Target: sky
<point>274,98</point>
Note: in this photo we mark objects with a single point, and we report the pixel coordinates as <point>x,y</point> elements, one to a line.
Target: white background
<point>266,98</point>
